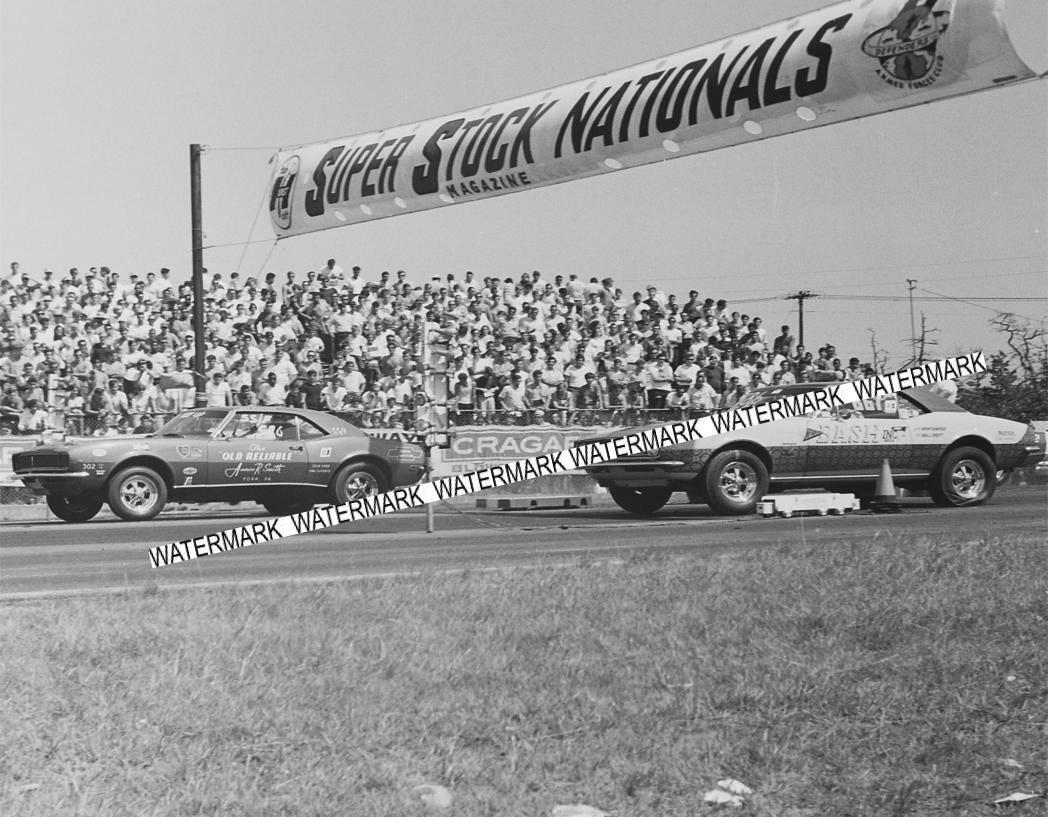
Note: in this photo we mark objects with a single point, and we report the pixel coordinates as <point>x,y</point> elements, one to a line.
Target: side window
<point>308,431</point>
<point>245,425</point>
<point>908,409</point>
<point>265,425</point>
<point>881,407</point>
<point>285,427</point>
<point>852,411</point>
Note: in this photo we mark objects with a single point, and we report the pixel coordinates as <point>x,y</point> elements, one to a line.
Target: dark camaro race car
<point>286,459</point>
<point>931,444</point>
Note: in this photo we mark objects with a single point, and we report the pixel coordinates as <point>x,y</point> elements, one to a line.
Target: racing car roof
<point>923,397</point>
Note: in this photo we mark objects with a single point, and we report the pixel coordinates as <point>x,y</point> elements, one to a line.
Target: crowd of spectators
<point>94,353</point>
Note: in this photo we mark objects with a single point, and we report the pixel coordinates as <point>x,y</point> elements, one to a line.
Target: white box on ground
<point>788,504</point>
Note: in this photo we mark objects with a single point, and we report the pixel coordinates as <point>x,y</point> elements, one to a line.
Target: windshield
<point>196,423</point>
<point>919,399</point>
<point>769,393</point>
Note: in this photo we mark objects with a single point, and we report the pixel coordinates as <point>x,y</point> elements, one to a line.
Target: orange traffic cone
<point>886,500</point>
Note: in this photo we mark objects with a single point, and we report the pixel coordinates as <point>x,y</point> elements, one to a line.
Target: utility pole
<point>198,274</point>
<point>800,297</point>
<point>912,284</point>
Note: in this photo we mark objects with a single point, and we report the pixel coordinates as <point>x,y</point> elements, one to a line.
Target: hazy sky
<point>101,100</point>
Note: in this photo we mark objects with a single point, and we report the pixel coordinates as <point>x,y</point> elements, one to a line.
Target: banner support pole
<point>199,377</point>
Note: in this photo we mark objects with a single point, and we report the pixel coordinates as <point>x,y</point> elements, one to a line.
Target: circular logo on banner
<point>906,46</point>
<point>283,188</point>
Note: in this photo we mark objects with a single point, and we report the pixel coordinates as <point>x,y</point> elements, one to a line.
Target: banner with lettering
<point>845,61</point>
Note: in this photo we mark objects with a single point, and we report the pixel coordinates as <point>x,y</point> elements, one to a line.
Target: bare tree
<point>880,356</point>
<point>924,341</point>
<point>1029,346</point>
<point>1016,384</point>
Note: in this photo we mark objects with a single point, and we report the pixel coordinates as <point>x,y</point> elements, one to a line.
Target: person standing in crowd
<point>575,378</point>
<point>295,396</point>
<point>590,400</point>
<point>464,398</point>
<point>333,396</point>
<point>538,394</point>
<point>311,389</point>
<point>661,374</point>
<point>272,392</point>
<point>513,398</point>
<point>33,418</point>
<point>244,396</point>
<point>116,403</point>
<point>686,372</point>
<point>733,393</point>
<point>218,391</point>
<point>702,397</point>
<point>95,411</point>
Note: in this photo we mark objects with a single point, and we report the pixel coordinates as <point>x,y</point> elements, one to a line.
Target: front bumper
<point>68,484</point>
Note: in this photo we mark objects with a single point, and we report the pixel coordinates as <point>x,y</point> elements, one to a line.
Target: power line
<point>972,303</point>
<point>910,266</point>
<point>934,298</point>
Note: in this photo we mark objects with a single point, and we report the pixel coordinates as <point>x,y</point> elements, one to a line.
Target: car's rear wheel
<point>640,501</point>
<point>735,482</point>
<point>286,508</point>
<point>964,476</point>
<point>74,508</point>
<point>137,494</point>
<point>358,480</point>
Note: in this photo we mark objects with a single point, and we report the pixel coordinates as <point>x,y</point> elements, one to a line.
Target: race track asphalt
<point>41,559</point>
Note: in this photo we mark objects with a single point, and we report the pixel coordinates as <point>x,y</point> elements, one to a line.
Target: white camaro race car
<point>932,445</point>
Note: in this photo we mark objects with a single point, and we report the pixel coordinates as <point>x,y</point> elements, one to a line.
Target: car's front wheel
<point>137,494</point>
<point>358,480</point>
<point>735,482</point>
<point>640,501</point>
<point>74,508</point>
<point>278,508</point>
<point>964,476</point>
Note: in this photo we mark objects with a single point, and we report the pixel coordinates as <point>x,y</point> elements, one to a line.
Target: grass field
<point>873,678</point>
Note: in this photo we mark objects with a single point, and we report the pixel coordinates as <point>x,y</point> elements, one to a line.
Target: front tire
<point>640,501</point>
<point>137,494</point>
<point>358,480</point>
<point>964,476</point>
<point>735,482</point>
<point>74,508</point>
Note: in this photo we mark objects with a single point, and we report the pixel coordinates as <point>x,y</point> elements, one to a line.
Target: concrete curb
<point>527,503</point>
